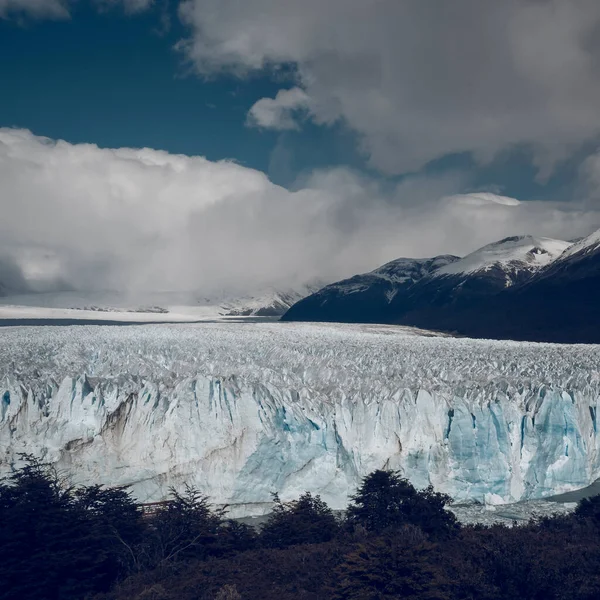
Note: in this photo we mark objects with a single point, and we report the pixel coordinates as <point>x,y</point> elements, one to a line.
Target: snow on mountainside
<point>269,303</point>
<point>400,271</point>
<point>455,292</point>
<point>557,303</point>
<point>512,254</point>
<point>427,292</point>
<point>366,297</point>
<point>586,245</point>
<point>460,296</point>
<point>411,270</point>
<point>243,410</point>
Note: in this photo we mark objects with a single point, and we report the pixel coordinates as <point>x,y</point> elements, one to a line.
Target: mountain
<point>558,303</point>
<point>465,284</point>
<point>512,258</point>
<point>366,298</point>
<point>428,292</point>
<point>271,302</point>
<point>520,288</point>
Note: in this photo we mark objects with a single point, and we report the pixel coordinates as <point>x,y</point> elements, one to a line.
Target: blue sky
<point>116,79</point>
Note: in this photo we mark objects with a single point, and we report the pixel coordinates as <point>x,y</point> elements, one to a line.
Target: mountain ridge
<point>521,287</point>
<point>367,297</point>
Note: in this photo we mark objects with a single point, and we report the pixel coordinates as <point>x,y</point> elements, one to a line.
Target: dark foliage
<point>399,566</point>
<point>236,537</point>
<point>184,528</point>
<point>301,572</point>
<point>589,508</point>
<point>307,520</point>
<point>386,500</point>
<point>58,543</point>
<point>62,543</point>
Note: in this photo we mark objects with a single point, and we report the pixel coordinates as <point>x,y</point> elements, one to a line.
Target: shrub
<point>307,520</point>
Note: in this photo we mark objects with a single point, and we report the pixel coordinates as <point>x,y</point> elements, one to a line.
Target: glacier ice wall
<point>243,410</point>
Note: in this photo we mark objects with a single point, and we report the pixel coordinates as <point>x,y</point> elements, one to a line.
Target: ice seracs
<point>243,410</point>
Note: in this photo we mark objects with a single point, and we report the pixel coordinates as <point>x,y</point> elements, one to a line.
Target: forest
<point>61,542</point>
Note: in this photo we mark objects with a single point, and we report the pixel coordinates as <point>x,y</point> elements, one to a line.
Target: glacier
<point>242,410</point>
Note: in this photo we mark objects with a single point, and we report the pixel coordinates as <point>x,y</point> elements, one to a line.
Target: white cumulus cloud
<point>279,112</point>
<point>141,219</point>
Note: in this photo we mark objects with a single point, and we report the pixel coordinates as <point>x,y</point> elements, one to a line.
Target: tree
<point>116,520</point>
<point>388,567</point>
<point>236,537</point>
<point>386,500</point>
<point>52,545</point>
<point>184,528</point>
<point>307,520</point>
<point>589,508</point>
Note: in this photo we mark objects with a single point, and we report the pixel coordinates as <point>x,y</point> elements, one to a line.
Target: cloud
<point>38,9</point>
<point>419,79</point>
<point>12,279</point>
<point>130,6</point>
<point>60,9</point>
<point>138,5</point>
<point>144,219</point>
<point>279,112</point>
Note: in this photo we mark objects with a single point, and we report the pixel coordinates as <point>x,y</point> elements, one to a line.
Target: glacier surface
<point>242,410</point>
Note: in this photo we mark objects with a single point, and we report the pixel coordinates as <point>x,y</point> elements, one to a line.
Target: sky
<point>237,144</point>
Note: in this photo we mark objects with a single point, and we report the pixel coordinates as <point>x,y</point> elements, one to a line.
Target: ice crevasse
<point>244,410</point>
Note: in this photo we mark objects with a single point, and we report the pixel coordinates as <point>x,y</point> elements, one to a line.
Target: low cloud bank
<point>141,219</point>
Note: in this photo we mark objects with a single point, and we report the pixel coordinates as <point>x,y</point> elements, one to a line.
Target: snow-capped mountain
<point>242,411</point>
<point>515,257</point>
<point>584,247</point>
<point>427,293</point>
<point>462,286</point>
<point>558,303</point>
<point>271,302</point>
<point>366,298</point>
